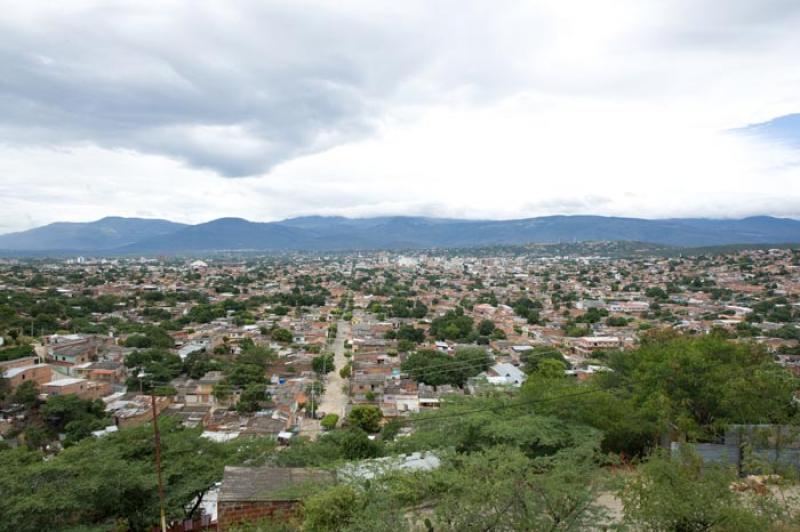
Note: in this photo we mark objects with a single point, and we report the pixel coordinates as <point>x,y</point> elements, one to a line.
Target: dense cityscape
<point>389,391</point>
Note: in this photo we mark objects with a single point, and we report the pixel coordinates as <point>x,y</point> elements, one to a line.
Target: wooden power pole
<point>157,438</point>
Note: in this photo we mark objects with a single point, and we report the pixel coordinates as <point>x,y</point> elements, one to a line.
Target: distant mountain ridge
<point>105,234</point>
<point>311,233</point>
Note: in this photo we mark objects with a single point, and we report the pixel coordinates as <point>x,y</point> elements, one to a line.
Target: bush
<point>366,417</point>
<point>282,335</point>
<point>329,421</point>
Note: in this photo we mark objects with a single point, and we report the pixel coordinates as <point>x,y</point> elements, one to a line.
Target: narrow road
<point>334,400</point>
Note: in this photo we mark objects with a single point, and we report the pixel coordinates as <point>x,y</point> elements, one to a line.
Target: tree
<point>682,494</point>
<point>323,364</point>
<point>222,391</point>
<point>4,385</point>
<point>454,325</point>
<point>330,510</point>
<point>151,336</point>
<point>329,421</point>
<point>75,417</point>
<point>282,335</point>
<point>551,369</point>
<point>692,386</point>
<point>36,438</point>
<point>26,394</point>
<point>486,327</point>
<point>251,398</point>
<point>159,367</point>
<point>411,334</point>
<point>366,417</point>
<point>656,292</point>
<point>110,482</point>
<point>503,489</point>
<point>534,357</point>
<point>617,321</point>
<point>436,368</point>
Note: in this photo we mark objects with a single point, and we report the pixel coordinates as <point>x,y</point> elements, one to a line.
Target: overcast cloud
<point>196,110</point>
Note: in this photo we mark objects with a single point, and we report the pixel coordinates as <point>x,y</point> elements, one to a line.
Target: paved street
<point>334,400</point>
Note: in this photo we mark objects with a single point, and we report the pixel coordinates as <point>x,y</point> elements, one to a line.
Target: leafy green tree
<point>479,423</point>
<point>222,391</point>
<point>75,417</point>
<point>36,438</point>
<point>151,336</point>
<point>411,334</point>
<point>323,364</point>
<point>617,321</point>
<point>366,417</point>
<point>454,325</point>
<point>692,386</point>
<point>682,494</point>
<point>486,327</point>
<point>656,293</point>
<point>503,489</point>
<point>15,352</point>
<point>157,365</point>
<point>532,359</point>
<point>350,443</point>
<point>282,335</point>
<point>329,421</point>
<point>251,398</point>
<point>551,369</point>
<point>26,394</point>
<point>436,368</point>
<point>110,482</point>
<point>198,363</point>
<point>700,385</point>
<point>330,510</point>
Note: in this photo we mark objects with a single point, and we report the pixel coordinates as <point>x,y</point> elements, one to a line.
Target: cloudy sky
<point>196,110</point>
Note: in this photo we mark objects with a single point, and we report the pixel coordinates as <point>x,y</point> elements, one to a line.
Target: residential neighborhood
<point>286,350</point>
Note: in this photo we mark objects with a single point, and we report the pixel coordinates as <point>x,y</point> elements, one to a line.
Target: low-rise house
<point>430,396</point>
<point>401,398</point>
<point>75,348</point>
<point>38,373</point>
<point>588,344</point>
<point>108,371</point>
<point>250,494</point>
<point>191,416</point>
<point>504,374</point>
<point>629,307</point>
<point>85,389</point>
<point>136,411</point>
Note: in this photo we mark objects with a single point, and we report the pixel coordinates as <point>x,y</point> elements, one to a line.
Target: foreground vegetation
<point>539,459</point>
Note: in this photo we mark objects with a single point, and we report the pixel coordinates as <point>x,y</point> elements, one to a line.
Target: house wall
<point>230,512</point>
<point>40,374</point>
<point>18,363</point>
<point>83,389</point>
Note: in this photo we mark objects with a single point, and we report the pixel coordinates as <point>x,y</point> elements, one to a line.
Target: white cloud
<point>448,108</point>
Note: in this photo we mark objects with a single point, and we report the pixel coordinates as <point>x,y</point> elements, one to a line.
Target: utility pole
<point>313,416</point>
<point>157,439</point>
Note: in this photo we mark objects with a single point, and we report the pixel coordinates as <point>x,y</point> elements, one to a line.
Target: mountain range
<point>116,235</point>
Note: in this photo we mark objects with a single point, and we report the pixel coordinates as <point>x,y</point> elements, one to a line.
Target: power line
<point>492,408</point>
<point>504,406</point>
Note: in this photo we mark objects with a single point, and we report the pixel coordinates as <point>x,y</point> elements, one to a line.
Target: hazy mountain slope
<point>107,233</point>
<point>222,234</point>
<point>395,232</point>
